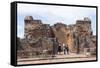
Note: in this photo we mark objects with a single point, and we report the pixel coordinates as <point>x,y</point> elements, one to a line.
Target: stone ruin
<point>38,36</point>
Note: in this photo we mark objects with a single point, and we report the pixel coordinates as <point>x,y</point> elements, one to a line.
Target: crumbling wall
<point>77,37</point>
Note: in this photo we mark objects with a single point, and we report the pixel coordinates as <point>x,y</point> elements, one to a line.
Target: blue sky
<point>52,14</point>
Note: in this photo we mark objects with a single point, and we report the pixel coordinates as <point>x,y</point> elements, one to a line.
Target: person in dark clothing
<point>65,49</point>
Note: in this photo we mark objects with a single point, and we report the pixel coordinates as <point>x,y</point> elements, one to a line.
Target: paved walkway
<point>57,60</point>
<point>61,56</point>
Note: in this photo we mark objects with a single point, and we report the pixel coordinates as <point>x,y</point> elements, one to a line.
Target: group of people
<point>63,48</point>
<point>59,48</point>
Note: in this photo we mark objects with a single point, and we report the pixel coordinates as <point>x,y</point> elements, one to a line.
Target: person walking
<point>65,49</point>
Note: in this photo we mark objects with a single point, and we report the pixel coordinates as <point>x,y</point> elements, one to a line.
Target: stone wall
<point>76,36</point>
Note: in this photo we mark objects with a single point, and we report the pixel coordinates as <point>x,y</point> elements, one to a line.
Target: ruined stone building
<point>36,29</point>
<point>77,37</point>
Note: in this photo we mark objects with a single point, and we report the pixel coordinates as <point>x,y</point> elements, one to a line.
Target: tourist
<point>65,49</point>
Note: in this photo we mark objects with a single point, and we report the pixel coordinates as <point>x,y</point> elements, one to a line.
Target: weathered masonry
<point>38,36</point>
